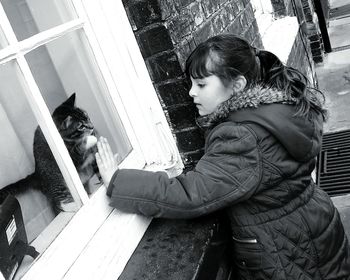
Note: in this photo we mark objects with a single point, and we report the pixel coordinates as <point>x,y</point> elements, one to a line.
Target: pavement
<point>334,80</point>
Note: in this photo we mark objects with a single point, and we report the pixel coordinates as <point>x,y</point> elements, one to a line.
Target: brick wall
<point>312,30</point>
<point>282,7</point>
<point>306,16</point>
<point>167,31</point>
<point>300,58</point>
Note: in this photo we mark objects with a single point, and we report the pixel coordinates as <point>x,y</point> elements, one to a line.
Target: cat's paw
<point>90,141</point>
<point>69,207</point>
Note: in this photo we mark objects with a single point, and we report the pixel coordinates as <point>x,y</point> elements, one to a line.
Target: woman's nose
<point>192,92</point>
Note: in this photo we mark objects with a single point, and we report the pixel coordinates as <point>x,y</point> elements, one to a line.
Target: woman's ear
<point>239,83</point>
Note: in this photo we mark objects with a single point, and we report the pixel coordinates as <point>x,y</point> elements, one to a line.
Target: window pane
<point>66,66</point>
<point>3,41</point>
<point>28,169</point>
<point>29,17</point>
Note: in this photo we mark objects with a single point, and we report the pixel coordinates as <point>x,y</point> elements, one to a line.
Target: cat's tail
<point>29,182</point>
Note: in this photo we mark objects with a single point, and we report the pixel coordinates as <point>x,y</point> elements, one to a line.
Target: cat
<point>79,136</point>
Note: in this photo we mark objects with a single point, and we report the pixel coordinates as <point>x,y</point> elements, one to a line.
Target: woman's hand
<point>106,161</point>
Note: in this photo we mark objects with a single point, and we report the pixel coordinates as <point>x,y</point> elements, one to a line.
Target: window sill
<point>180,249</point>
<point>43,241</point>
<point>96,243</point>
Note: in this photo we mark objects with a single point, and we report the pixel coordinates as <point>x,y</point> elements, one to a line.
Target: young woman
<point>264,130</point>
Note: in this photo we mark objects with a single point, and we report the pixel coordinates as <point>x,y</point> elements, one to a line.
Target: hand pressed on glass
<point>106,161</point>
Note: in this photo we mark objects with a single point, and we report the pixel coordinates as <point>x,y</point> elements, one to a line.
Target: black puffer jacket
<point>257,165</point>
<point>296,229</point>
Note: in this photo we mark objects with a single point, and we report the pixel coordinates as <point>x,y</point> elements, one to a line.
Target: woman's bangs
<point>197,65</point>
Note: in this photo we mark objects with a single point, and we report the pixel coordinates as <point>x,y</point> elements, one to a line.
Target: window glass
<point>84,105</point>
<point>29,17</point>
<point>67,66</point>
<point>3,41</point>
<point>28,169</point>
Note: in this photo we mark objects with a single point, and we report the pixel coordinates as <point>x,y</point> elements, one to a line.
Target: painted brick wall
<point>167,31</point>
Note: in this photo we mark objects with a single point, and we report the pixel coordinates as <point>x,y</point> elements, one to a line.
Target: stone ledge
<point>179,249</point>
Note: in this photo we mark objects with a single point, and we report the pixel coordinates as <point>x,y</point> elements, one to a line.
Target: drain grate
<point>333,171</point>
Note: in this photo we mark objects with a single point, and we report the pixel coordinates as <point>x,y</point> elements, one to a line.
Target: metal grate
<point>333,171</point>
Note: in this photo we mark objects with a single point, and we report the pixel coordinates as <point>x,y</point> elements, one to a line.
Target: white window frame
<point>97,241</point>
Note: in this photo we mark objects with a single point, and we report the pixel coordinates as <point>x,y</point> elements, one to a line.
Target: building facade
<point>124,60</point>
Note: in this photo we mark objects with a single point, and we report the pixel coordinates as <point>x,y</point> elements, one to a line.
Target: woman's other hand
<point>106,161</point>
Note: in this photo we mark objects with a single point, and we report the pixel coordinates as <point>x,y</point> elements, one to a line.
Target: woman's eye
<point>201,85</point>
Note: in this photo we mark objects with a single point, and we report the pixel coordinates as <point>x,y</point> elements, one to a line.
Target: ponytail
<point>227,56</point>
<point>274,74</point>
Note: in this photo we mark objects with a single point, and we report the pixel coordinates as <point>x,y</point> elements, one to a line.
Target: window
<point>48,51</point>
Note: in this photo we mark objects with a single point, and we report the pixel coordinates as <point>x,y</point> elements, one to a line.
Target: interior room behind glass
<point>62,67</point>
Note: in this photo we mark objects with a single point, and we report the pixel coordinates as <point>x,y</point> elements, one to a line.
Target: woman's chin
<point>202,113</point>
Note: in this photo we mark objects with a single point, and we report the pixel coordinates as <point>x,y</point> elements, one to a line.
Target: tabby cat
<point>79,136</point>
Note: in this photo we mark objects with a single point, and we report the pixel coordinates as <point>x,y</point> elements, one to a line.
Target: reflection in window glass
<point>66,66</point>
<point>28,169</point>
<point>28,17</point>
<point>3,41</point>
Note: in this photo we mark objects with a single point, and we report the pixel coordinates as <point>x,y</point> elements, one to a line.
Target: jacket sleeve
<point>228,173</point>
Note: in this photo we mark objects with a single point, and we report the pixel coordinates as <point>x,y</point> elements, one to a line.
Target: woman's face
<point>208,93</point>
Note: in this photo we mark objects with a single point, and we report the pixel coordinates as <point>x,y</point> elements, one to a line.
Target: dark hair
<point>228,56</point>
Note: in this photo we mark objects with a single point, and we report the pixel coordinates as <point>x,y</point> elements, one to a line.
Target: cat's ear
<point>66,123</point>
<point>70,101</point>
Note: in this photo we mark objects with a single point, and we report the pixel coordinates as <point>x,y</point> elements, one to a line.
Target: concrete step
<point>340,12</point>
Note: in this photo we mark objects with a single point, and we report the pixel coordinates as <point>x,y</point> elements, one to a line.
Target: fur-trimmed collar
<point>249,98</point>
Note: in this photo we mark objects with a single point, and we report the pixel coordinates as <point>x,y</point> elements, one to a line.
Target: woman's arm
<point>229,172</point>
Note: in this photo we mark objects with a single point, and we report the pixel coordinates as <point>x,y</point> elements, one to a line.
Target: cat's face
<point>78,133</point>
<point>72,122</point>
